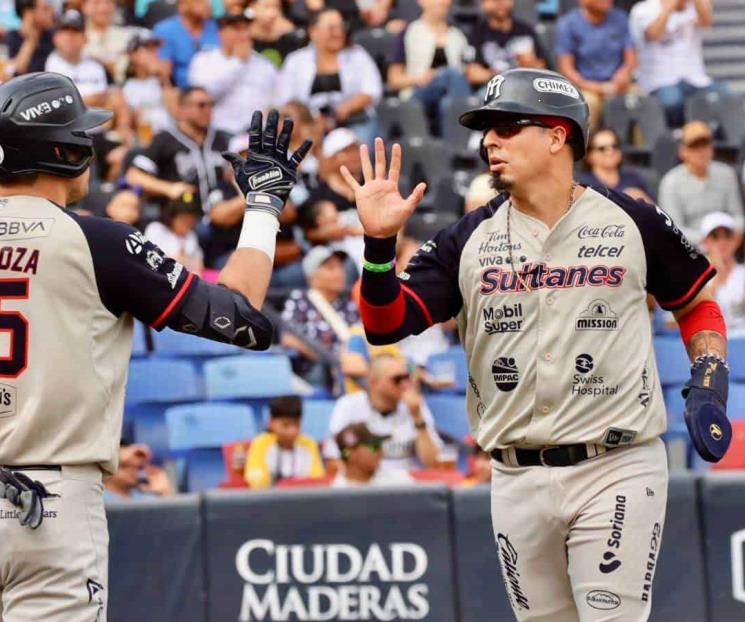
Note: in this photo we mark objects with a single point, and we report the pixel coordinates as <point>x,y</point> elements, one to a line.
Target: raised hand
<point>267,175</point>
<point>381,208</point>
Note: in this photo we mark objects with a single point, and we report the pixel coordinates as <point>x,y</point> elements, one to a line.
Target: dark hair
<point>315,16</point>
<point>188,203</point>
<point>24,5</point>
<point>303,112</point>
<point>290,406</point>
<point>184,94</point>
<point>586,161</point>
<point>307,217</point>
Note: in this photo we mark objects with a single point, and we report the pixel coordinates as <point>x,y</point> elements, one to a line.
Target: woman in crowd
<point>604,164</point>
<point>339,81</point>
<point>428,60</point>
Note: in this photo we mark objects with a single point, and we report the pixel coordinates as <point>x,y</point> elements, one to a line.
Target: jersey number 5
<point>16,325</point>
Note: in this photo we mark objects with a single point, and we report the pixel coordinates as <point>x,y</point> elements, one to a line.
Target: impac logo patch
<point>505,372</point>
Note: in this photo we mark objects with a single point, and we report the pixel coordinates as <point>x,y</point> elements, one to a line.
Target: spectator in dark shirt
<point>29,46</point>
<point>501,43</point>
<point>191,31</point>
<point>428,60</point>
<point>595,51</point>
<point>604,162</point>
<point>324,313</point>
<point>184,158</point>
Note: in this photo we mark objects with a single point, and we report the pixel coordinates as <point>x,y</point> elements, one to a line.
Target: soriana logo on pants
<point>332,581</point>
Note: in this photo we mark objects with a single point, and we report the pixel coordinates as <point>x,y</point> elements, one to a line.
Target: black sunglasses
<point>513,128</point>
<point>202,104</point>
<point>399,378</point>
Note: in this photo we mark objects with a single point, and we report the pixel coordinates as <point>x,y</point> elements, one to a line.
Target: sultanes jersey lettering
<point>559,345</point>
<point>69,286</point>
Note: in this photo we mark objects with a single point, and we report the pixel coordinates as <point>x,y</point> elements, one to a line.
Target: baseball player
<point>548,283</point>
<point>69,287</point>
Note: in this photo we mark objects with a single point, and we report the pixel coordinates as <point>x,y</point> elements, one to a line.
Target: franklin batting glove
<point>267,175</point>
<point>706,407</point>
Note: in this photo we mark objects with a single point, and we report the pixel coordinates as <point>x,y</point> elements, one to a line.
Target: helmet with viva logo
<point>520,93</point>
<point>44,126</point>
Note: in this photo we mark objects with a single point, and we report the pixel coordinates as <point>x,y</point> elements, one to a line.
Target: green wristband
<point>378,267</point>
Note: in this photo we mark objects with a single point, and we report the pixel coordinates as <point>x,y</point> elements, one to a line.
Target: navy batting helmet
<point>44,126</point>
<point>530,93</point>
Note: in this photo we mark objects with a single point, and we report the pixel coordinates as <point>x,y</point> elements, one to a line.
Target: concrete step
<point>726,71</point>
<point>729,15</point>
<point>734,33</point>
<point>724,53</point>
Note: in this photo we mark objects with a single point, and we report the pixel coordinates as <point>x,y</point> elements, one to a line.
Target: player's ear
<point>559,138</point>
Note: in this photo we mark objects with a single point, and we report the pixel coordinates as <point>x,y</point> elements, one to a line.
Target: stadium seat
<point>425,160</point>
<point>625,112</point>
<point>664,153</point>
<point>148,425</point>
<point>460,140</point>
<point>424,225</point>
<point>402,119</point>
<point>139,341</point>
<point>247,377</point>
<point>546,32</point>
<point>673,364</point>
<point>724,112</point>
<point>208,424</point>
<point>379,43</point>
<point>650,176</point>
<point>171,343</point>
<point>450,415</point>
<point>204,469</point>
<point>450,364</point>
<point>736,359</point>
<point>316,418</point>
<point>407,10</point>
<point>152,380</point>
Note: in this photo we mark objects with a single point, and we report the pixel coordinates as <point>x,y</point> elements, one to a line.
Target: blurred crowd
<point>183,78</point>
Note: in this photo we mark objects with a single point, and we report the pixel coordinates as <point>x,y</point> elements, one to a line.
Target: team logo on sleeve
<point>134,243</point>
<point>505,372</point>
<point>597,316</point>
<point>154,259</point>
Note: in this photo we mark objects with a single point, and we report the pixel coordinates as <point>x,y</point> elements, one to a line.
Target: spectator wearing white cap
<point>719,242</point>
<point>323,313</point>
<point>699,185</point>
<point>239,79</point>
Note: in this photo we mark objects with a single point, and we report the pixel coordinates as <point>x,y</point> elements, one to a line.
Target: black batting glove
<point>267,176</point>
<point>706,407</point>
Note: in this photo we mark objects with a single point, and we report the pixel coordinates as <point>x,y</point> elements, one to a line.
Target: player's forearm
<point>248,271</point>
<point>388,315</point>
<point>707,342</point>
<point>702,327</point>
